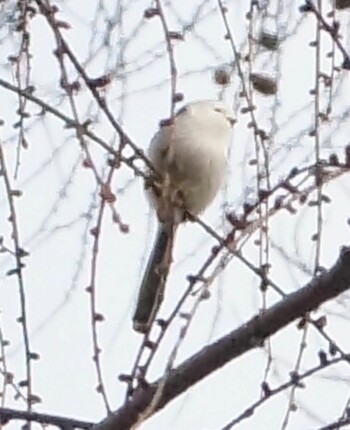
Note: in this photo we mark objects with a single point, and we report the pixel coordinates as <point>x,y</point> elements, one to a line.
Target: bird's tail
<point>152,287</point>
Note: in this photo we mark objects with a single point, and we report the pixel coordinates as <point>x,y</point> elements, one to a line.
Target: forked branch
<point>250,335</point>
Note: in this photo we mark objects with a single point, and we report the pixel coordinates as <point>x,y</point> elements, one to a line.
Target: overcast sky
<point>60,204</point>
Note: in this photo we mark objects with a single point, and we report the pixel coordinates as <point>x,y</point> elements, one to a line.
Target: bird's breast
<point>198,170</point>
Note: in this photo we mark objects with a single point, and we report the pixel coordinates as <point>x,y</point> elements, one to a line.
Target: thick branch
<point>7,414</point>
<point>248,336</point>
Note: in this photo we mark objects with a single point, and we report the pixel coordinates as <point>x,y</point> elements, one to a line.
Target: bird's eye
<point>220,110</point>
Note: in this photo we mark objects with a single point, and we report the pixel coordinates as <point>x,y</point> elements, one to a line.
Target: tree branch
<point>248,336</point>
<point>239,341</point>
<point>7,414</point>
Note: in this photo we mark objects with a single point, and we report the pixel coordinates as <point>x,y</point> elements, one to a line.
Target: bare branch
<point>239,341</point>
<point>7,414</point>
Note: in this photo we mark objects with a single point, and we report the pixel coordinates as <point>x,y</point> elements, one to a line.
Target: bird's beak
<point>231,120</point>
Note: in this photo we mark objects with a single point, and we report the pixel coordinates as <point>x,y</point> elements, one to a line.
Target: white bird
<point>190,156</point>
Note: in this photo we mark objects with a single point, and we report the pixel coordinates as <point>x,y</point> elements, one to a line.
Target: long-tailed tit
<point>190,156</point>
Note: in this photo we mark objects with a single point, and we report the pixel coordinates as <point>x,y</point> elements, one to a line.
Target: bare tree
<point>266,270</point>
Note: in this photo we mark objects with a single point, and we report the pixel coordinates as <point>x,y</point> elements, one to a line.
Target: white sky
<point>58,193</point>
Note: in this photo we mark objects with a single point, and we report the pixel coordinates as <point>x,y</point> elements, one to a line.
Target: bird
<point>189,154</point>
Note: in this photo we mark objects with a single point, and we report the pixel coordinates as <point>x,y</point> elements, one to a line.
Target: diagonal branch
<point>239,341</point>
<point>7,415</point>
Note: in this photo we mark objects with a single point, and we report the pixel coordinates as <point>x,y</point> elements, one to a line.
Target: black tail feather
<point>153,282</point>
